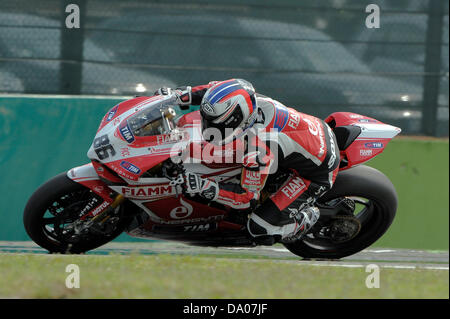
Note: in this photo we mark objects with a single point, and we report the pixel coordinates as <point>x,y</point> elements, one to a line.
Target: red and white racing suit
<point>299,148</point>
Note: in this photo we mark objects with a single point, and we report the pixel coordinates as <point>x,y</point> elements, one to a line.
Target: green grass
<point>420,173</point>
<point>169,276</point>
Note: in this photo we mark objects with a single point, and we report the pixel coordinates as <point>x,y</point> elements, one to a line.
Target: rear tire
<point>37,206</point>
<point>363,181</point>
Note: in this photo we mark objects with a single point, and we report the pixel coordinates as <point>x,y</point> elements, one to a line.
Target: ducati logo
<point>183,211</point>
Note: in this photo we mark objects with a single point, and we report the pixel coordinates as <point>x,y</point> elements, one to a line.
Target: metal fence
<point>315,55</point>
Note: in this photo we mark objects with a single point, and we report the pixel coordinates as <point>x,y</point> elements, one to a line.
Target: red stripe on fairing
<point>228,225</point>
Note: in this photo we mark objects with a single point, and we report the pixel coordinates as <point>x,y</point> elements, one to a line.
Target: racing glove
<point>183,94</point>
<point>196,185</point>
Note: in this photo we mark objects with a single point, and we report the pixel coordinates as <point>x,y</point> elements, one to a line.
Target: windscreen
<point>152,121</point>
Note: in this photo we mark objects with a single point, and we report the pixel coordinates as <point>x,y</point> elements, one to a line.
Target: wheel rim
<point>58,218</point>
<point>365,209</point>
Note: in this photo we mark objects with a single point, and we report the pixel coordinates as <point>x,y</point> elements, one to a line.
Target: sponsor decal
<point>124,151</point>
<point>148,191</point>
<point>281,117</point>
<point>130,167</point>
<point>312,127</point>
<point>321,139</point>
<point>252,179</point>
<point>126,133</point>
<point>367,121</point>
<point>355,116</point>
<point>293,188</point>
<point>116,120</point>
<point>207,107</point>
<point>112,113</point>
<point>171,138</point>
<point>100,208</point>
<point>121,172</point>
<point>374,145</point>
<point>98,189</point>
<point>203,227</point>
<point>183,211</point>
<point>332,148</point>
<point>364,152</point>
<point>89,206</point>
<point>294,120</point>
<point>192,220</point>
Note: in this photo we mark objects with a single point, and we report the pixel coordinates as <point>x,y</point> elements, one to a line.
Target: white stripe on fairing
<point>371,130</point>
<point>85,172</point>
<point>81,179</point>
<point>148,181</point>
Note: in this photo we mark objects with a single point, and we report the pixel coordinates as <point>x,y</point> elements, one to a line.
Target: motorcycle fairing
<point>131,156</point>
<point>372,140</point>
<point>87,176</point>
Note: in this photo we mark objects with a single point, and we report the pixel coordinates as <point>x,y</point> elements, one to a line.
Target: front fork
<point>105,215</point>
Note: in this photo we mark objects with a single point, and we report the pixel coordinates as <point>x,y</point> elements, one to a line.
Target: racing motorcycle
<point>132,184</point>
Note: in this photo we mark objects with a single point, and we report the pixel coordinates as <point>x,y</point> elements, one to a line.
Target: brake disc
<point>344,228</point>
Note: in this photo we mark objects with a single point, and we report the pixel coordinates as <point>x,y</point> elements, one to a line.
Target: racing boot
<point>304,220</point>
<point>287,226</point>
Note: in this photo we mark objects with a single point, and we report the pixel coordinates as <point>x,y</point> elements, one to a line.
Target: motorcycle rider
<point>306,157</point>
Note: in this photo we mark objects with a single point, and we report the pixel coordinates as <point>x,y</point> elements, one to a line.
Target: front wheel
<point>375,202</point>
<point>53,210</point>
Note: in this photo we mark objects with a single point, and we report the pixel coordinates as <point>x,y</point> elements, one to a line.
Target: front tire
<point>360,181</point>
<point>58,190</point>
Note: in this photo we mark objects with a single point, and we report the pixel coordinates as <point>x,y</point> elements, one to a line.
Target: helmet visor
<point>216,129</point>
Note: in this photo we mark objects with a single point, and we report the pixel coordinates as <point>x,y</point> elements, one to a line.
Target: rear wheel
<point>375,202</point>
<point>53,212</point>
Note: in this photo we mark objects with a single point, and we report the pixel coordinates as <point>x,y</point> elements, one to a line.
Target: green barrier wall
<point>43,136</point>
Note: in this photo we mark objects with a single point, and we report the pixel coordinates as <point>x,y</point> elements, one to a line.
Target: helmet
<point>229,108</point>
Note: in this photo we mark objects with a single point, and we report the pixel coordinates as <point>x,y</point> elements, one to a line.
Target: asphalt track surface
<point>383,257</point>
